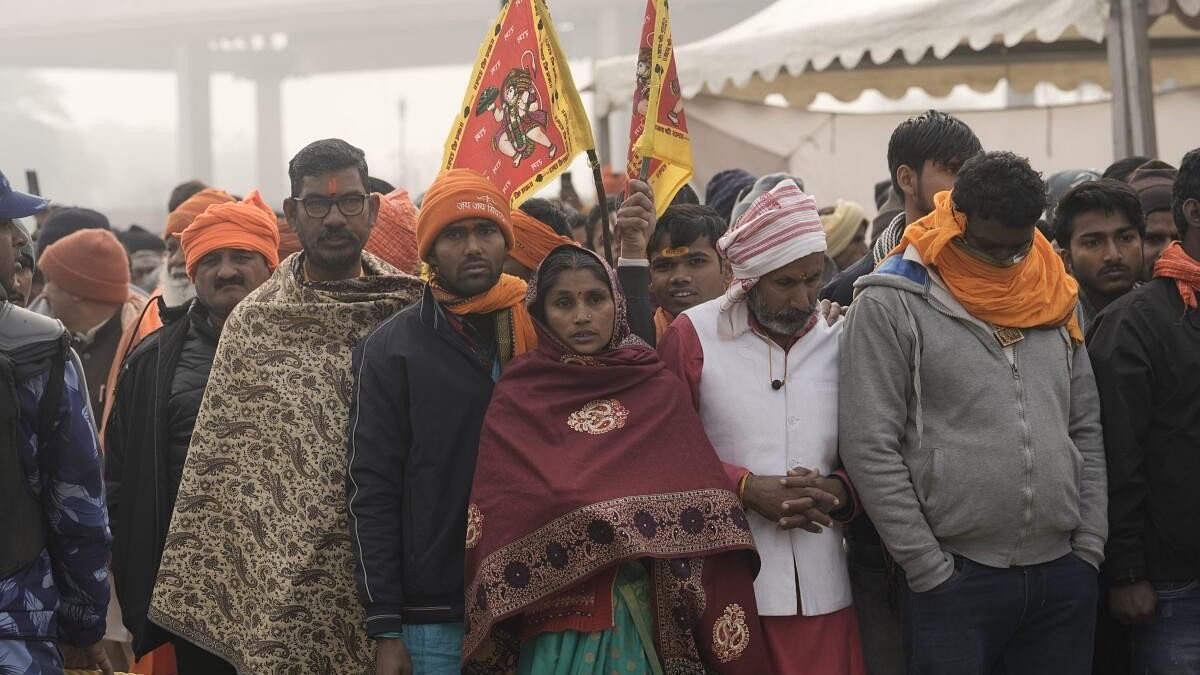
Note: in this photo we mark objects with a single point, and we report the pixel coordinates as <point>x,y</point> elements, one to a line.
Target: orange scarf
<point>662,321</point>
<point>1175,263</point>
<point>1035,293</point>
<point>508,293</point>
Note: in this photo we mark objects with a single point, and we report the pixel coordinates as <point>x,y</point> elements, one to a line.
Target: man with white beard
<point>173,283</point>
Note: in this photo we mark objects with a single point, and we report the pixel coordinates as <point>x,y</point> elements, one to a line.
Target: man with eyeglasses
<point>257,567</point>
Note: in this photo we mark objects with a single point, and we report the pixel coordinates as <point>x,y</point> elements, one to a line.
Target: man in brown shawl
<point>257,563</point>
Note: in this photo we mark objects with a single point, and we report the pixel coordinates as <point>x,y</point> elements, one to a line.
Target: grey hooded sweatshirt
<point>957,445</point>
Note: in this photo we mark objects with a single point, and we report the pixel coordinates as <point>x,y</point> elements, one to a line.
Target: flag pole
<point>594,160</point>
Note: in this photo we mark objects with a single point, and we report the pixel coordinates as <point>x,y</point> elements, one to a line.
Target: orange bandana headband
<point>249,225</point>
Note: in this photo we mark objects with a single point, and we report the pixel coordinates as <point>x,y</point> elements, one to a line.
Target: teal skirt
<point>625,649</point>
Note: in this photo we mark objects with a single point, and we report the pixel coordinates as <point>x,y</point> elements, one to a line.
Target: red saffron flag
<point>658,129</point>
<point>521,122</point>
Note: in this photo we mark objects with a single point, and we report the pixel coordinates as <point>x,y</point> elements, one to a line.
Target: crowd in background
<point>771,434</point>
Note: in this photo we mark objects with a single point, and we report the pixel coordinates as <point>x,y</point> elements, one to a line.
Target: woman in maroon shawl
<point>602,532</point>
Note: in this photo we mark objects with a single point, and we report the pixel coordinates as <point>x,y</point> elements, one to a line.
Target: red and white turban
<point>781,226</point>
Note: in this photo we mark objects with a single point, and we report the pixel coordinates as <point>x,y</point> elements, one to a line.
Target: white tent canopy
<point>798,48</point>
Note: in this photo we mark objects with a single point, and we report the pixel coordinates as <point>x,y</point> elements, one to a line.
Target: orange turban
<point>185,213</point>
<point>249,225</point>
<point>394,237</point>
<point>289,241</point>
<point>459,194</point>
<point>534,239</point>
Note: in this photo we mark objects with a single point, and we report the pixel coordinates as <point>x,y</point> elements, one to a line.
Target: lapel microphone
<point>777,384</point>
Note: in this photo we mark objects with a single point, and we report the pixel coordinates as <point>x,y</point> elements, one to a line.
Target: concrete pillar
<point>613,136</point>
<point>1134,131</point>
<point>194,112</point>
<point>271,175</point>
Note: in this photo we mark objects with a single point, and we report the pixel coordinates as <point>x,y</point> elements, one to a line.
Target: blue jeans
<point>21,657</point>
<point>1033,620</point>
<point>1172,643</point>
<point>436,648</point>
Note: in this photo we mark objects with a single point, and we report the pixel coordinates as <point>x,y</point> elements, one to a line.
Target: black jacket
<point>840,289</point>
<point>635,283</point>
<point>156,400</point>
<point>1145,351</point>
<point>420,395</point>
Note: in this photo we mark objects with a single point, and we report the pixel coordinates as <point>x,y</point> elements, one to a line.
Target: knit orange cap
<point>248,225</point>
<point>533,239</point>
<point>394,237</point>
<point>456,195</point>
<point>89,264</point>
<point>185,213</point>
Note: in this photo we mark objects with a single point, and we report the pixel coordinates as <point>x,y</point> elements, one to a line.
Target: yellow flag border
<point>576,133</point>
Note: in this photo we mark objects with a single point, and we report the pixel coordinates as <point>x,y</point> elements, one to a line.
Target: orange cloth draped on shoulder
<point>533,239</point>
<point>1176,264</point>
<point>1035,293</point>
<point>508,293</point>
<point>394,237</point>
<point>463,194</point>
<point>662,321</point>
<point>149,323</point>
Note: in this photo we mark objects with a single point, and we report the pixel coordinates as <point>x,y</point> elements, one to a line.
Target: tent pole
<point>1134,130</point>
<point>1119,105</point>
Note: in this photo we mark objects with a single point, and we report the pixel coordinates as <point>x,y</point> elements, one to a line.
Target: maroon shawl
<point>588,462</point>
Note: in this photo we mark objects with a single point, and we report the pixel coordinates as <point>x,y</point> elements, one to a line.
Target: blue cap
<point>15,204</point>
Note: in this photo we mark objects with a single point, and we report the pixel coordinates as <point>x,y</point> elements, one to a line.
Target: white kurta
<point>770,431</point>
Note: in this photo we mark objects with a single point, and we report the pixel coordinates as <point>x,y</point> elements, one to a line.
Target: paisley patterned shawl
<point>587,462</point>
<point>257,565</point>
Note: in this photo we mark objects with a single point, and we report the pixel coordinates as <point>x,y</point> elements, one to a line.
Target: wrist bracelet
<point>742,486</point>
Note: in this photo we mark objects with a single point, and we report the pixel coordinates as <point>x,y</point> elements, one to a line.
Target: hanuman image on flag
<point>516,106</point>
<point>643,88</point>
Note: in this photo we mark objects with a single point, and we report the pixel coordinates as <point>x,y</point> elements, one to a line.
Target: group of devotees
<point>488,449</point>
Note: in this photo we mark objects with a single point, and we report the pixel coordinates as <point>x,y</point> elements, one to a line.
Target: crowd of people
<point>373,434</point>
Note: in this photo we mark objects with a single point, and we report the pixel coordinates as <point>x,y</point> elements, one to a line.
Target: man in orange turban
<point>970,424</point>
<point>423,382</point>
<point>229,250</point>
<point>175,289</point>
<point>538,228</point>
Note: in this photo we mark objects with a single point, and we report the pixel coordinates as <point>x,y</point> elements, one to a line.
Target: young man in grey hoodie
<point>970,425</point>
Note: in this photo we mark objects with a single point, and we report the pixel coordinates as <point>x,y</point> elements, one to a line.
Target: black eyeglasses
<point>319,207</point>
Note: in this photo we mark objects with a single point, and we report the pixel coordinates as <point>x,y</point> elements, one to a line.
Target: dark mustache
<point>1114,268</point>
<point>229,281</point>
<point>473,261</point>
<point>793,315</point>
<point>337,235</point>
